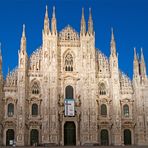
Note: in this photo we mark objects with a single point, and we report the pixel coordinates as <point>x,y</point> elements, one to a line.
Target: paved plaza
<point>78,147</point>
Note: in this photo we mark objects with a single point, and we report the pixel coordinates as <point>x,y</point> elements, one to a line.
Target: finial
<point>0,52</point>
<point>89,10</point>
<point>141,50</point>
<point>90,16</point>
<point>138,56</point>
<point>0,48</point>
<point>90,24</point>
<point>53,14</point>
<point>8,71</point>
<point>46,14</point>
<point>135,54</point>
<point>112,43</point>
<point>142,56</point>
<point>134,49</point>
<point>83,24</point>
<point>82,11</point>
<point>82,14</point>
<point>46,8</point>
<point>112,32</point>
<point>23,34</point>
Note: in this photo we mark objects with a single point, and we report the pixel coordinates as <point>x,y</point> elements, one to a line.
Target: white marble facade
<point>110,108</point>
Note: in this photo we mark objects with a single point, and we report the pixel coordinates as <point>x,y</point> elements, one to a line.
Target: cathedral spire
<point>23,41</point>
<point>22,53</point>
<point>90,23</point>
<point>54,24</point>
<point>46,22</point>
<point>135,55</point>
<point>135,64</point>
<point>23,33</point>
<point>8,71</point>
<point>53,13</point>
<point>83,23</point>
<point>0,60</point>
<point>142,65</point>
<point>0,53</point>
<point>113,43</point>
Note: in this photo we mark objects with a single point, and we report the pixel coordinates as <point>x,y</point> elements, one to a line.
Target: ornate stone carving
<point>61,100</point>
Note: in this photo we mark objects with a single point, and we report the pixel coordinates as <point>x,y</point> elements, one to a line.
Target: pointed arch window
<point>34,109</point>
<point>103,110</point>
<point>102,89</point>
<point>35,88</point>
<point>69,62</point>
<point>126,110</point>
<point>10,110</point>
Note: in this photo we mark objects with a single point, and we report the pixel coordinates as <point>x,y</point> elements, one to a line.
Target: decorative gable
<point>68,34</point>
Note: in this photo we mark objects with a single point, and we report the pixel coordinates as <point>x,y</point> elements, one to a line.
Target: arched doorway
<point>34,137</point>
<point>9,137</point>
<point>69,92</point>
<point>127,137</point>
<point>104,137</point>
<point>69,133</point>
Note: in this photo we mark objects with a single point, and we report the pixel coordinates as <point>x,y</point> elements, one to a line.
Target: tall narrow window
<point>126,110</point>
<point>68,62</point>
<point>35,88</point>
<point>34,109</point>
<point>69,92</point>
<point>102,89</point>
<point>10,110</point>
<point>103,110</point>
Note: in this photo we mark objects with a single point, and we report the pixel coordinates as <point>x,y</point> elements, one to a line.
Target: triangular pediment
<point>68,34</point>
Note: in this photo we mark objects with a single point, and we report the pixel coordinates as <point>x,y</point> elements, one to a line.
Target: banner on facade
<point>69,107</point>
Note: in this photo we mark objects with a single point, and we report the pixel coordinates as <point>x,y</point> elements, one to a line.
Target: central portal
<point>69,133</point>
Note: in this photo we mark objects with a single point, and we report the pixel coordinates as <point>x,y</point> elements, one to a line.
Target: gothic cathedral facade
<point>103,107</point>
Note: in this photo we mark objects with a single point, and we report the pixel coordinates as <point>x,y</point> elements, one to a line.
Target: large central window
<point>126,110</point>
<point>68,62</point>
<point>103,110</point>
<point>102,89</point>
<point>34,109</point>
<point>10,110</point>
<point>35,88</point>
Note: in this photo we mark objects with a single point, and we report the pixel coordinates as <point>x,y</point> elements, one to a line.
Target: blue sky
<point>129,18</point>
